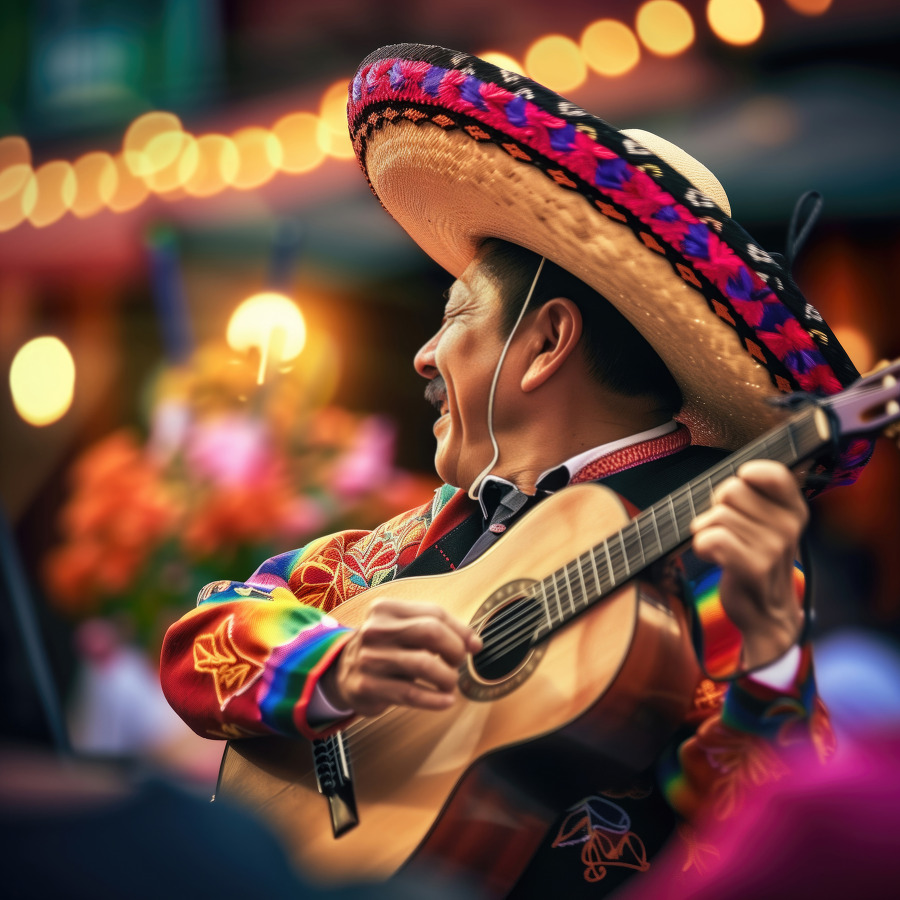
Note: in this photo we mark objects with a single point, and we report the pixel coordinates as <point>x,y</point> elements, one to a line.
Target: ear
<point>553,336</point>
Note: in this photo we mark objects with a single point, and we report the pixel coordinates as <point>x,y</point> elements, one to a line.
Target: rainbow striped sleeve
<point>741,734</point>
<point>245,661</point>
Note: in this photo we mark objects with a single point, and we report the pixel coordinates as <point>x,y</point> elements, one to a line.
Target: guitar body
<point>472,789</point>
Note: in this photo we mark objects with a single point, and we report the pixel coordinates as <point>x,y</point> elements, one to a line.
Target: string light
<point>737,22</point>
<point>96,179</point>
<point>610,47</point>
<point>664,27</point>
<point>259,156</point>
<point>49,193</point>
<point>158,156</point>
<point>809,7</point>
<point>503,61</point>
<point>556,62</point>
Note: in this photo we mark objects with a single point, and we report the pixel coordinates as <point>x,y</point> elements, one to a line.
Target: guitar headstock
<point>870,405</point>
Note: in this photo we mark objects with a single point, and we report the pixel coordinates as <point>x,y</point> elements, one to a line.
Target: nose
<point>424,360</point>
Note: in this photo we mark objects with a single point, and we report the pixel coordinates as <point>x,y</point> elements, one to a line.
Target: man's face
<point>459,362</point>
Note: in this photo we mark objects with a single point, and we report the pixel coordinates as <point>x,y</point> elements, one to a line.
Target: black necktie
<point>510,503</point>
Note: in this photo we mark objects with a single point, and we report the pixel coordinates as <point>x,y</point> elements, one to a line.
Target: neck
<point>565,427</point>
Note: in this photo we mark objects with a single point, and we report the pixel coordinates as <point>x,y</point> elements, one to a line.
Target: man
<point>599,292</point>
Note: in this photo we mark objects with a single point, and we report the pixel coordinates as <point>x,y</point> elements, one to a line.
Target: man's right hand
<point>404,654</point>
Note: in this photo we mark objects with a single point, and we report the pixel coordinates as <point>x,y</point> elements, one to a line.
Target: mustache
<point>436,391</point>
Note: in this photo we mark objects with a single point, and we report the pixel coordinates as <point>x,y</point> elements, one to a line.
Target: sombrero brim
<point>458,150</point>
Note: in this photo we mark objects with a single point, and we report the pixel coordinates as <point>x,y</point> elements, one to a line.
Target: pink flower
<point>229,450</point>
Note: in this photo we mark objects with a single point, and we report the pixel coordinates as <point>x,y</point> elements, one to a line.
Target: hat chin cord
<point>476,484</point>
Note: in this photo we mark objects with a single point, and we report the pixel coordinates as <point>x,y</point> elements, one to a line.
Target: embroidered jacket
<point>246,660</point>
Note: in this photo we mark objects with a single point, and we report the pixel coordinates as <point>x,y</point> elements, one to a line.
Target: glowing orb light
<point>270,323</point>
<point>42,380</point>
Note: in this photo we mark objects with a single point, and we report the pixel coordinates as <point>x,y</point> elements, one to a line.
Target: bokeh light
<point>610,47</point>
<point>12,185</point>
<point>14,151</point>
<point>130,191</point>
<point>209,165</point>
<point>298,134</point>
<point>96,178</point>
<point>180,151</point>
<point>664,27</point>
<point>809,7</point>
<point>270,323</point>
<point>503,61</point>
<point>152,142</point>
<point>42,380</point>
<point>259,156</point>
<point>736,21</point>
<point>857,344</point>
<point>333,134</point>
<point>555,61</point>
<point>49,193</point>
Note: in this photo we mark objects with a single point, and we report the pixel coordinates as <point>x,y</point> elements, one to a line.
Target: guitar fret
<point>624,552</point>
<point>609,565</point>
<point>656,528</point>
<point>596,573</point>
<point>568,586</point>
<point>558,601</point>
<point>585,597</point>
<point>546,600</point>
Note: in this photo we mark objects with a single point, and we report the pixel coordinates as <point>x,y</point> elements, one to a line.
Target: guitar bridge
<point>335,781</point>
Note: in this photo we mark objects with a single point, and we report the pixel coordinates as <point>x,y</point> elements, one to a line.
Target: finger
<point>373,694</point>
<point>756,521</point>
<point>411,665</point>
<point>774,481</point>
<point>423,625</point>
<point>744,498</point>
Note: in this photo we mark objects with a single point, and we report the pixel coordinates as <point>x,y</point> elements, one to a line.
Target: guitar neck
<point>664,527</point>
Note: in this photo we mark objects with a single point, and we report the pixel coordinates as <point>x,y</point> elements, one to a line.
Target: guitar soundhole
<point>507,639</point>
<point>506,621</point>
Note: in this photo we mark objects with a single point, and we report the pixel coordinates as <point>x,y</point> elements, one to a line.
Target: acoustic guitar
<point>584,675</point>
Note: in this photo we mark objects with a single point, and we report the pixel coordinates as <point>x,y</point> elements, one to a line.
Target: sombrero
<point>458,150</point>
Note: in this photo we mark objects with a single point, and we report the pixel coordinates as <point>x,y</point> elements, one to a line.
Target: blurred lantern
<point>152,142</point>
<point>130,190</point>
<point>333,135</point>
<point>14,151</point>
<point>272,324</point>
<point>259,156</point>
<point>503,61</point>
<point>664,27</point>
<point>209,165</point>
<point>300,145</point>
<point>13,181</point>
<point>809,7</point>
<point>42,380</point>
<point>610,47</point>
<point>556,61</point>
<point>96,179</point>
<point>50,193</point>
<point>735,21</point>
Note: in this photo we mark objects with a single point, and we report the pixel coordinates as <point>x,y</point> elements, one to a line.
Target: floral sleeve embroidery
<point>245,661</point>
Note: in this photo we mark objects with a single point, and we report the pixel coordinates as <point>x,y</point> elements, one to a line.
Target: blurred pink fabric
<point>832,831</point>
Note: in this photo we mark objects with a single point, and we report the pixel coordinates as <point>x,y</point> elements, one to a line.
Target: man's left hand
<point>752,532</point>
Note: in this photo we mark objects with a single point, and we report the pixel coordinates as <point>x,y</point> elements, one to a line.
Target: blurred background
<point>207,322</point>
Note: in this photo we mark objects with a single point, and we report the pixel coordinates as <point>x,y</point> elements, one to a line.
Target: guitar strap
<point>641,486</point>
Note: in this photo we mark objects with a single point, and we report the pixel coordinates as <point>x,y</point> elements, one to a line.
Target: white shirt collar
<point>576,463</point>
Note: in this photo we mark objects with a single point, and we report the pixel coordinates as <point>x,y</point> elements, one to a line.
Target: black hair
<point>617,354</point>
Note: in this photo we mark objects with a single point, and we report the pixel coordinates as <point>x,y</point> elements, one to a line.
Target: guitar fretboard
<point>658,530</point>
